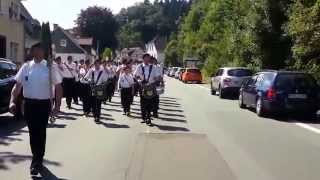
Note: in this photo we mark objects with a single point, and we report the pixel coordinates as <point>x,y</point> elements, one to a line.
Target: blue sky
<point>64,12</point>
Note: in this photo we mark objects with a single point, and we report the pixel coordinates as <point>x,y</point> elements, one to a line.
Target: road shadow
<point>114,126</point>
<point>170,128</point>
<point>172,119</point>
<point>108,109</point>
<point>66,117</point>
<point>292,117</point>
<point>56,126</point>
<point>170,110</point>
<point>170,114</point>
<point>7,158</point>
<point>46,174</point>
<point>70,114</point>
<point>107,118</point>
<point>10,129</point>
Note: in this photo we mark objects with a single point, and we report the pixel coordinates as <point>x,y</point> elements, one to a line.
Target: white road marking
<point>302,125</point>
<point>203,87</point>
<point>308,127</point>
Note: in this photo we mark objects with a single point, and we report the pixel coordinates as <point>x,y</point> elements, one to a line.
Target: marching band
<point>96,83</point>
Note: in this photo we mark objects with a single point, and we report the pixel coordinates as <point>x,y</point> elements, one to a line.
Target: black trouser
<point>126,98</point>
<point>76,92</point>
<point>86,97</point>
<point>156,104</point>
<point>96,107</point>
<point>146,107</point>
<point>68,89</point>
<point>37,116</point>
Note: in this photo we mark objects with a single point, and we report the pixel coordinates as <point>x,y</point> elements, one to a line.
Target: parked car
<point>173,71</point>
<point>178,72</point>
<point>192,75</point>
<point>280,91</point>
<point>8,71</point>
<point>229,80</point>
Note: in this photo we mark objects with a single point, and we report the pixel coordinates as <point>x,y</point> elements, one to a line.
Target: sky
<point>64,12</point>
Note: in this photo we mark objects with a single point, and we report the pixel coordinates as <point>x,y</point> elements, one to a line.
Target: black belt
<point>37,100</point>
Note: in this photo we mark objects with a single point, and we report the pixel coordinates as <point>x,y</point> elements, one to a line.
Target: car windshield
<point>194,71</point>
<point>240,72</point>
<point>295,81</point>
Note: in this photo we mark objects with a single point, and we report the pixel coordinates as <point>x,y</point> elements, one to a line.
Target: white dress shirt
<point>103,78</point>
<point>153,76</point>
<point>69,70</point>
<point>125,80</point>
<point>34,78</point>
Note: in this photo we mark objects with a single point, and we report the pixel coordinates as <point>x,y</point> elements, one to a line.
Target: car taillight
<point>227,80</point>
<point>271,93</point>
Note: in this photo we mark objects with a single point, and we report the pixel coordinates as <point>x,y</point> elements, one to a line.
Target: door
<point>3,47</point>
<point>216,79</point>
<point>249,91</point>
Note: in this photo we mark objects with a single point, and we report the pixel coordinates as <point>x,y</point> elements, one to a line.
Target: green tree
<point>99,23</point>
<point>107,54</point>
<point>304,29</point>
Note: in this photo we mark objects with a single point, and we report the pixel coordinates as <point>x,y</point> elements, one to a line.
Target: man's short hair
<point>37,45</point>
<point>69,57</point>
<point>145,55</point>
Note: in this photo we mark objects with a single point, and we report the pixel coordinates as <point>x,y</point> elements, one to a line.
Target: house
<point>156,48</point>
<point>12,32</point>
<point>32,29</point>
<point>66,44</point>
<point>135,53</point>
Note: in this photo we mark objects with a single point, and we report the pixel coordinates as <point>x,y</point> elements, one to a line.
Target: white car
<point>229,80</point>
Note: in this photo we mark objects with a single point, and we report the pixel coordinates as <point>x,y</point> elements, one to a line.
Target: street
<point>197,136</point>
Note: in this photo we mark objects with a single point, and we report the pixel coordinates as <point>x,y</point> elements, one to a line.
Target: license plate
<point>297,96</point>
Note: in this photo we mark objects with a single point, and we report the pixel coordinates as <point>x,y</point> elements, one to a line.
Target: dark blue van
<point>280,92</point>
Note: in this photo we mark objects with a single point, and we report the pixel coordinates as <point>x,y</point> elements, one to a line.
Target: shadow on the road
<point>170,110</point>
<point>172,119</point>
<point>114,126</point>
<point>170,128</point>
<point>46,174</point>
<point>169,103</point>
<point>57,126</point>
<point>7,158</point>
<point>170,98</point>
<point>70,114</point>
<point>115,110</point>
<point>170,114</point>
<point>9,128</point>
<point>66,117</point>
<point>292,118</point>
<point>106,118</point>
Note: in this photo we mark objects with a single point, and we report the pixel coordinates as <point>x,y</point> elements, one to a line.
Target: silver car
<point>229,80</point>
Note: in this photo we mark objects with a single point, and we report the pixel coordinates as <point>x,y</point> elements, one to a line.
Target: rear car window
<point>268,79</point>
<point>240,72</point>
<point>5,71</point>
<point>297,81</point>
<point>194,71</point>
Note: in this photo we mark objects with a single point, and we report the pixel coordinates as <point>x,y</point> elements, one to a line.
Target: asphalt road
<point>198,136</point>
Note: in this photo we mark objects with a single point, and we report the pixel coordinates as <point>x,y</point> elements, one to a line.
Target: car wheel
<point>259,108</point>
<point>222,93</point>
<point>241,105</point>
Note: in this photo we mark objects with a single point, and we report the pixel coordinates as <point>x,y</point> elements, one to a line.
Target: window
<point>295,81</point>
<point>5,71</point>
<point>14,49</point>
<point>239,72</point>
<point>63,43</point>
<point>0,6</point>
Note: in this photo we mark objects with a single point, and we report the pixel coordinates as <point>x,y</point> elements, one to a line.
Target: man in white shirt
<point>96,76</point>
<point>159,72</point>
<point>69,81</point>
<point>125,85</point>
<point>34,78</point>
<point>147,75</point>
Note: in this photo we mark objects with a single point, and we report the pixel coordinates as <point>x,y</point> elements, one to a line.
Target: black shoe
<point>156,115</point>
<point>143,121</point>
<point>34,171</point>
<point>69,107</point>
